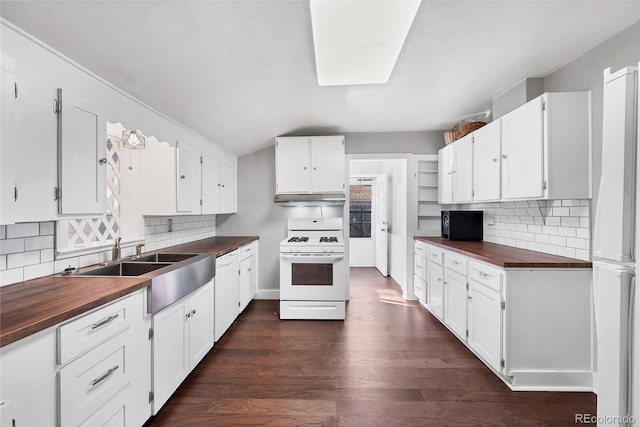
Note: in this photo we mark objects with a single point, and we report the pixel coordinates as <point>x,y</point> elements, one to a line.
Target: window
<point>360,209</point>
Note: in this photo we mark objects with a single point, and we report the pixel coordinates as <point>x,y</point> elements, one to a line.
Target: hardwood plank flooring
<point>390,363</point>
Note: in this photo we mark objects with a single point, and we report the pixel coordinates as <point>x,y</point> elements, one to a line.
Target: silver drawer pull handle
<point>485,275</point>
<point>104,376</point>
<point>418,265</point>
<point>439,279</point>
<point>104,321</point>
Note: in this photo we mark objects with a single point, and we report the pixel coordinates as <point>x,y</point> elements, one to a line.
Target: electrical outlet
<point>169,225</point>
<point>491,221</point>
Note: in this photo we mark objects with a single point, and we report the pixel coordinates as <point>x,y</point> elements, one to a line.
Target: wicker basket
<point>461,130</point>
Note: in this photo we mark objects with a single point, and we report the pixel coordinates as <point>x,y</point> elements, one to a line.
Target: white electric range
<point>313,269</point>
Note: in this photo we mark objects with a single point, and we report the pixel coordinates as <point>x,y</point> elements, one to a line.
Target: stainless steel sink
<point>125,269</point>
<point>163,258</point>
<point>173,276</point>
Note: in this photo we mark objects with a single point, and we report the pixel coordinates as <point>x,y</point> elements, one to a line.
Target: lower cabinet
<point>248,274</point>
<point>182,336</point>
<point>531,326</point>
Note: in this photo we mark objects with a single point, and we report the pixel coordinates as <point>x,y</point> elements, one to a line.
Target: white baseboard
<point>268,294</point>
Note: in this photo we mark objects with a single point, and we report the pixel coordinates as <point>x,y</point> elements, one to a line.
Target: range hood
<point>316,199</point>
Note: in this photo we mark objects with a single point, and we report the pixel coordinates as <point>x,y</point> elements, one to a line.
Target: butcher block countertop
<point>505,256</point>
<point>32,306</point>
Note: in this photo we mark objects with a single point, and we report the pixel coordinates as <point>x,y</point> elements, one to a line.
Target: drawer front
<point>246,251</point>
<point>420,266</point>
<point>84,333</point>
<point>420,248</point>
<point>488,276</point>
<point>92,380</point>
<point>456,263</point>
<point>420,289</point>
<point>435,255</point>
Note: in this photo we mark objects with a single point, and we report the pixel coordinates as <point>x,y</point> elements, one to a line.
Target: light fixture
<point>358,41</point>
<point>132,139</point>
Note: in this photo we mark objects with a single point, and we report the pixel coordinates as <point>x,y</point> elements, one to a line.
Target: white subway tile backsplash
<point>11,246</point>
<point>23,259</point>
<point>552,220</point>
<point>584,222</point>
<point>46,255</point>
<point>560,212</point>
<point>8,277</point>
<point>91,259</point>
<point>27,229</point>
<point>583,233</point>
<point>533,246</point>
<point>571,203</point>
<point>583,254</point>
<point>3,262</point>
<point>3,232</point>
<point>542,238</point>
<point>534,229</point>
<point>40,242</point>
<point>579,211</point>
<point>570,222</point>
<point>59,266</point>
<point>576,243</point>
<point>526,220</point>
<point>558,241</point>
<point>550,249</point>
<point>46,228</point>
<point>567,231</point>
<point>38,270</point>
<point>568,252</point>
<point>550,229</point>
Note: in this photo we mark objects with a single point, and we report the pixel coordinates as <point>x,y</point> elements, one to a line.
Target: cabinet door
<point>8,189</point>
<point>246,277</point>
<point>486,162</point>
<point>82,157</point>
<point>228,187</point>
<point>211,185</point>
<point>445,175</point>
<point>170,363</point>
<point>328,164</point>
<point>188,179</point>
<point>485,323</point>
<point>227,293</point>
<point>455,303</point>
<point>435,286</point>
<point>522,152</point>
<point>293,174</point>
<point>200,324</point>
<point>463,169</point>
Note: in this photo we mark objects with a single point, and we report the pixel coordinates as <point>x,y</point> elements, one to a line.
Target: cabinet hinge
<point>201,159</point>
<point>473,193</point>
<point>544,105</point>
<point>150,396</point>
<point>15,90</point>
<point>544,184</point>
<point>503,305</point>
<point>467,286</point>
<point>238,303</point>
<point>57,106</point>
<point>502,363</point>
<point>15,194</point>
<point>57,193</point>
<point>467,333</point>
<point>150,333</point>
<point>200,202</point>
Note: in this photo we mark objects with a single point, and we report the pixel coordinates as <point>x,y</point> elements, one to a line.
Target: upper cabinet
<point>218,181</point>
<point>188,179</point>
<point>314,164</point>
<point>546,148</point>
<point>82,170</point>
<point>540,150</point>
<point>486,162</point>
<point>8,95</point>
<point>445,175</point>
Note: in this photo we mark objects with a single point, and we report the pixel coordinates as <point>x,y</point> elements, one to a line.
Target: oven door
<point>312,277</point>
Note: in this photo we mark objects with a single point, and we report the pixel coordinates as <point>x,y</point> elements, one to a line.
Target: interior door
<point>381,224</point>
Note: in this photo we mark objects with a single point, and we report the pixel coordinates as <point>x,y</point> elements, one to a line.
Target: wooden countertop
<point>505,256</point>
<point>32,306</point>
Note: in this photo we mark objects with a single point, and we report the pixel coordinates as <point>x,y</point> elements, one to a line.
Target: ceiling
<point>240,73</point>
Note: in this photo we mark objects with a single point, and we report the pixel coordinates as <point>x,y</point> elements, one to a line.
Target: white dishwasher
<point>227,292</point>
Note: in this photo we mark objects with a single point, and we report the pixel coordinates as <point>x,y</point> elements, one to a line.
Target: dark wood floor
<point>390,363</point>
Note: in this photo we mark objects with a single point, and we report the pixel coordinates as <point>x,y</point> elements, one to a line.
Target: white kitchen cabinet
<point>155,170</point>
<point>218,181</point>
<point>455,302</point>
<point>228,193</point>
<point>82,162</point>
<point>248,274</point>
<point>463,169</point>
<point>445,175</point>
<point>227,291</point>
<point>188,179</point>
<point>28,389</point>
<point>485,323</point>
<point>420,272</point>
<point>182,336</point>
<point>546,146</point>
<point>8,188</point>
<point>486,162</point>
<point>518,319</point>
<point>313,164</point>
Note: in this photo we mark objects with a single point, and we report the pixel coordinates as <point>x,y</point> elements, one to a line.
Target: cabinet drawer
<point>420,266</point>
<point>420,288</point>
<point>490,277</point>
<point>420,249</point>
<point>92,380</point>
<point>246,251</point>
<point>455,263</point>
<point>435,255</point>
<point>84,333</point>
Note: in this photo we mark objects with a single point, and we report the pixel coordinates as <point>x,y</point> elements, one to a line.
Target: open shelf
<point>428,211</point>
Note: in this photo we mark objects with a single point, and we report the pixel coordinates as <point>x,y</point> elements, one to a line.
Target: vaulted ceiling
<point>240,73</point>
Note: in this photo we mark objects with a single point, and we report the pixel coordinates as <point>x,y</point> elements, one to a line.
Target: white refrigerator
<point>614,257</point>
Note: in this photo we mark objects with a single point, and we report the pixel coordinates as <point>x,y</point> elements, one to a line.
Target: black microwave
<point>461,225</point>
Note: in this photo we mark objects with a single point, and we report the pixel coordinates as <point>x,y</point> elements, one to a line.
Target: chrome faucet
<point>139,250</point>
<point>115,252</point>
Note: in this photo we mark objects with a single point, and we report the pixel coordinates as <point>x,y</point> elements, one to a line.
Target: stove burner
<point>328,240</point>
<point>298,239</point>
